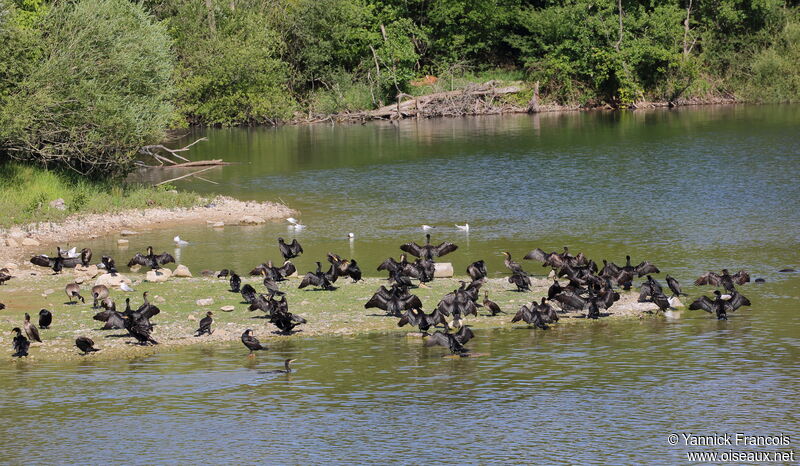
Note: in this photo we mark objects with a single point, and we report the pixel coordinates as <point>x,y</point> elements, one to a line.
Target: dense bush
<point>101,88</point>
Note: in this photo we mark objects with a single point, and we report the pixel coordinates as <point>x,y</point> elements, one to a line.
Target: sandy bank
<point>340,312</point>
<point>222,209</point>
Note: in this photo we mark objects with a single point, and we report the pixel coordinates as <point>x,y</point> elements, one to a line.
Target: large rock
<point>29,242</point>
<point>58,204</point>
<point>108,280</point>
<point>11,242</point>
<point>251,220</point>
<point>443,270</point>
<point>157,277</point>
<point>182,271</point>
<point>90,271</point>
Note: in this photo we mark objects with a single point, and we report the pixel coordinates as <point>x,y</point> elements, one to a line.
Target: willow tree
<point>100,89</point>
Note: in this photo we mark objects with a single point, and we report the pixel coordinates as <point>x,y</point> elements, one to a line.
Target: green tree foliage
<point>232,73</point>
<point>100,89</point>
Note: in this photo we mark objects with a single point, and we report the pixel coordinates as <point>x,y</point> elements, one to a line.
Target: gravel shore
<point>20,242</point>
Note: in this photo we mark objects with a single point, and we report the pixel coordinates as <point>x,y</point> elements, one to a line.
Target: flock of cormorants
<point>588,288</point>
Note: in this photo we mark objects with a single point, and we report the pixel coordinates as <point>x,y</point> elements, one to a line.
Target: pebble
<point>227,308</point>
<point>158,277</point>
<point>205,302</point>
<point>12,243</point>
<point>159,299</point>
<point>122,242</point>
<point>219,225</point>
<point>182,271</point>
<point>191,317</point>
<point>29,242</point>
<point>251,220</point>
<point>128,232</point>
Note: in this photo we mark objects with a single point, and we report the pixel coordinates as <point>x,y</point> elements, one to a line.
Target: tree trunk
<point>533,105</point>
<point>212,23</point>
<point>686,47</point>
<point>619,9</point>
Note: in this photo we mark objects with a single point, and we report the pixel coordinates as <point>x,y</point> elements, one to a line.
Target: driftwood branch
<point>152,150</point>
<point>184,176</point>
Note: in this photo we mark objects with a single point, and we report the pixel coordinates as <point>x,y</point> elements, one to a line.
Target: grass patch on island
<point>26,192</point>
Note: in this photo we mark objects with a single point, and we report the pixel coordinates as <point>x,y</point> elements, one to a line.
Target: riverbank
<point>340,312</point>
<point>18,243</point>
<point>491,98</point>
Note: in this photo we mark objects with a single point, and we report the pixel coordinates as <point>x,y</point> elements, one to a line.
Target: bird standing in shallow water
<point>251,342</point>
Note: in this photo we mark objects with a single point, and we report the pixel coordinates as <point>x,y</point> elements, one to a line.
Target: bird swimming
<point>179,242</point>
<point>286,370</point>
<point>464,227</point>
<point>427,228</point>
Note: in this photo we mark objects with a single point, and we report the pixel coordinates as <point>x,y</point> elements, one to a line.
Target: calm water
<point>691,190</point>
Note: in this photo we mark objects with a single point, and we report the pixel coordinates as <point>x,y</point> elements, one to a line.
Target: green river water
<point>690,190</point>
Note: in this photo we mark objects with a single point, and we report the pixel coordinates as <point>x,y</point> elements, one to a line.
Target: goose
<point>20,343</point>
<point>464,227</point>
<point>179,242</point>
<point>30,330</point>
<point>99,293</point>
<point>45,319</point>
<point>86,345</point>
<point>73,290</point>
<point>205,325</point>
<point>252,342</point>
<point>287,368</point>
<point>151,259</point>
